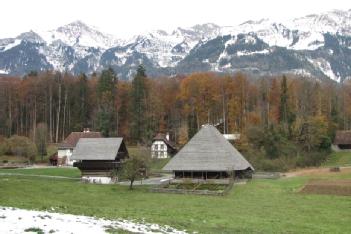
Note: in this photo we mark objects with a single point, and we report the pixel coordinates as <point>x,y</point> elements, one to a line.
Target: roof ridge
<point>217,154</point>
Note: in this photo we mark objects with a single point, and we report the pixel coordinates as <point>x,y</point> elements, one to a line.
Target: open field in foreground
<point>260,206</point>
<point>49,171</point>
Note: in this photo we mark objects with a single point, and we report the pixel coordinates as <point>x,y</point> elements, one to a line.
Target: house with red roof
<point>66,147</point>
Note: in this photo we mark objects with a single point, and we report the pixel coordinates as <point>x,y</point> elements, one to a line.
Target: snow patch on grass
<point>15,220</point>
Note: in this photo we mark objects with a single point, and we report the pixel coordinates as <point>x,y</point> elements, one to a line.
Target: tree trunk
<point>224,118</point>
<point>117,122</point>
<point>131,184</point>
<point>34,118</point>
<point>50,114</point>
<point>64,114</point>
<point>58,114</point>
<point>10,114</point>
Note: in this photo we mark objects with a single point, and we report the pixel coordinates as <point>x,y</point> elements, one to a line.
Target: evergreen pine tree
<point>283,108</point>
<point>138,98</point>
<point>286,116</point>
<point>106,92</point>
<point>83,98</point>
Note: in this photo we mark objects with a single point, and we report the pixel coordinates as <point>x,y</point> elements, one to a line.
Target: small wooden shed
<point>342,140</point>
<point>99,158</point>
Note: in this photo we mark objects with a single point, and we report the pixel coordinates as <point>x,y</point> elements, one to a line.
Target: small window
<point>162,147</point>
<point>156,147</point>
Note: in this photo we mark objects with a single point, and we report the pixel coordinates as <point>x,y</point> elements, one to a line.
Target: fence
<point>163,188</point>
<point>266,175</point>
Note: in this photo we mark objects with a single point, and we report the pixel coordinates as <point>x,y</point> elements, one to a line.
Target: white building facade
<point>65,156</point>
<point>159,149</point>
<point>161,146</point>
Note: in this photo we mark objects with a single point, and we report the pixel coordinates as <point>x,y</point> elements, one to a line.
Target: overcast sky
<point>129,17</point>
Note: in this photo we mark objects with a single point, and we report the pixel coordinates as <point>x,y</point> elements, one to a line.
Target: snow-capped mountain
<point>314,45</point>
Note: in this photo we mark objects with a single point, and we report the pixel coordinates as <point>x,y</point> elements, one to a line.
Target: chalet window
<point>155,147</point>
<point>161,147</point>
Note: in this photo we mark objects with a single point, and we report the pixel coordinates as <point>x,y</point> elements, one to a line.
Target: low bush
<point>22,146</point>
<point>314,158</point>
<point>4,148</point>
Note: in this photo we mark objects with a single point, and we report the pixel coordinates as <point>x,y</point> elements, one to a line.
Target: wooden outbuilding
<point>208,155</point>
<point>342,140</point>
<point>99,158</point>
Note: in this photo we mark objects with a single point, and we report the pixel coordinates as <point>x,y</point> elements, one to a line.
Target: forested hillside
<point>276,116</point>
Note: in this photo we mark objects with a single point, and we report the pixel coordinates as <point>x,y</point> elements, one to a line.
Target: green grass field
<point>54,171</point>
<point>338,159</point>
<point>261,206</point>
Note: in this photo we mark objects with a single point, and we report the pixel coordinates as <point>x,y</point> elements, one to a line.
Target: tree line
<point>267,111</point>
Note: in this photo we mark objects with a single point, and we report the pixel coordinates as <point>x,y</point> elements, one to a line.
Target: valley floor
<point>260,206</point>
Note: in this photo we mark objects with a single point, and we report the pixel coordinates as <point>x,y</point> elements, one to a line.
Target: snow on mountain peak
<point>79,47</point>
<point>78,33</point>
<point>31,37</point>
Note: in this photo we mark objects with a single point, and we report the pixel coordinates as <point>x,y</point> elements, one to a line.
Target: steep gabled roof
<point>342,138</point>
<point>97,148</point>
<point>162,137</point>
<point>73,138</point>
<point>208,150</point>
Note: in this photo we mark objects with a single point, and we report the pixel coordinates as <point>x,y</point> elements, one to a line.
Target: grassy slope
<point>338,159</point>
<point>261,206</point>
<point>158,164</point>
<point>67,172</point>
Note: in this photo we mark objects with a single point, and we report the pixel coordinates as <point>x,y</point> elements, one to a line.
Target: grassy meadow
<point>338,159</point>
<point>260,206</point>
<point>54,171</point>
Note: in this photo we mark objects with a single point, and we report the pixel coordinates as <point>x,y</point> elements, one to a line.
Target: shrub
<point>325,143</point>
<point>4,147</point>
<point>309,159</point>
<point>22,146</point>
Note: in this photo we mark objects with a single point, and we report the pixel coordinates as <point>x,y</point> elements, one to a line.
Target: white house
<point>162,147</point>
<point>66,147</point>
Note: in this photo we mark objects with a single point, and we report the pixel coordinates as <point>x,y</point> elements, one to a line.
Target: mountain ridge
<point>314,45</point>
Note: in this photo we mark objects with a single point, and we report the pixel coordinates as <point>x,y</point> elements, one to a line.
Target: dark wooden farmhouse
<point>342,140</point>
<point>99,158</point>
<point>208,155</point>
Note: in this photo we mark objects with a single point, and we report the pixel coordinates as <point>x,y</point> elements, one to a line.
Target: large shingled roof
<point>97,148</point>
<point>208,150</point>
